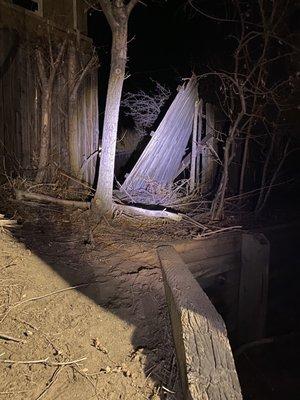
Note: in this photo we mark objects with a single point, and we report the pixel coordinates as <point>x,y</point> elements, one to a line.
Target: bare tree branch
<point>57,62</point>
<point>108,12</point>
<point>214,18</point>
<point>130,6</point>
<point>93,63</point>
<point>41,66</point>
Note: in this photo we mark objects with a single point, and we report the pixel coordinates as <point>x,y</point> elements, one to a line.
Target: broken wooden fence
<point>165,157</point>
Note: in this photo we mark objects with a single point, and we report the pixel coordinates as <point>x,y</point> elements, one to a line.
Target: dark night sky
<point>166,41</point>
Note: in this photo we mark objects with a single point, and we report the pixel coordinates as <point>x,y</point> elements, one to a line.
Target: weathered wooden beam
<point>8,223</point>
<point>199,134</point>
<point>194,147</point>
<point>204,248</point>
<point>187,159</point>
<point>253,293</point>
<point>22,195</point>
<point>203,351</point>
<point>209,165</point>
<point>214,265</point>
<point>146,213</point>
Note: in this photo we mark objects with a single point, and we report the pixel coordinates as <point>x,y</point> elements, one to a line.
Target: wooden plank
<point>187,159</point>
<point>201,249</point>
<point>199,135</point>
<point>203,351</point>
<point>24,116</point>
<point>63,119</point>
<point>194,147</point>
<point>23,195</point>
<point>162,156</point>
<point>31,82</point>
<point>7,134</point>
<point>208,152</point>
<point>2,144</point>
<point>95,133</point>
<point>90,132</point>
<point>18,133</point>
<point>146,212</point>
<point>214,265</point>
<point>253,287</point>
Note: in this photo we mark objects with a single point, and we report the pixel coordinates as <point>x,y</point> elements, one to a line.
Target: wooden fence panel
<point>20,116</point>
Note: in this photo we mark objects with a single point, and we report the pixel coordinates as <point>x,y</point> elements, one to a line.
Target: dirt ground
<point>83,313</point>
<point>84,307</point>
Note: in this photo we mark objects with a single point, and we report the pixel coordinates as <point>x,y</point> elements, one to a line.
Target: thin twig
<point>192,221</point>
<point>229,228</point>
<point>44,361</point>
<point>76,180</point>
<point>11,338</point>
<point>44,296</point>
<point>52,380</point>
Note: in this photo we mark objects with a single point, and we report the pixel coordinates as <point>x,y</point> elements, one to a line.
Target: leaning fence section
<point>184,144</point>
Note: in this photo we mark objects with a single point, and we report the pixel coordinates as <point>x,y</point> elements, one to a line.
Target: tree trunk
<point>45,133</point>
<point>103,195</point>
<point>72,112</point>
<point>47,85</point>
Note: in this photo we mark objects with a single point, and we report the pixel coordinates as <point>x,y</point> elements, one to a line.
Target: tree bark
<point>45,133</point>
<point>47,79</point>
<point>103,195</point>
<point>22,195</point>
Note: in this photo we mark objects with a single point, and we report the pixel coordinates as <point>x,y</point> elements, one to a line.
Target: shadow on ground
<point>119,272</point>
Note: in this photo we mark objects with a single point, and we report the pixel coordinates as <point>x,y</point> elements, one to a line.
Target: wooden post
<point>253,287</point>
<point>194,147</point>
<point>208,152</point>
<point>73,139</point>
<point>203,351</point>
<point>199,134</point>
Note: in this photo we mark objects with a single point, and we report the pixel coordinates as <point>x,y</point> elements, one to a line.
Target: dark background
<point>167,41</point>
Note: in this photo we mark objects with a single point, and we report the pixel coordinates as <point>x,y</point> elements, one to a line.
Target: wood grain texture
<point>209,151</point>
<point>204,354</point>
<point>20,112</point>
<point>22,195</point>
<point>201,249</point>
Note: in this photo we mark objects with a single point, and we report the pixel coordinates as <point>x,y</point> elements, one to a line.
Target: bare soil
<point>86,304</point>
<point>83,313</point>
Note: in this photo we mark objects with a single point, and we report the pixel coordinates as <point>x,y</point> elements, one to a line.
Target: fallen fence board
<point>203,351</point>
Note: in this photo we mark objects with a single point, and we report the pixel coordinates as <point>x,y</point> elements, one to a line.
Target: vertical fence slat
<point>208,153</point>
<point>20,116</point>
